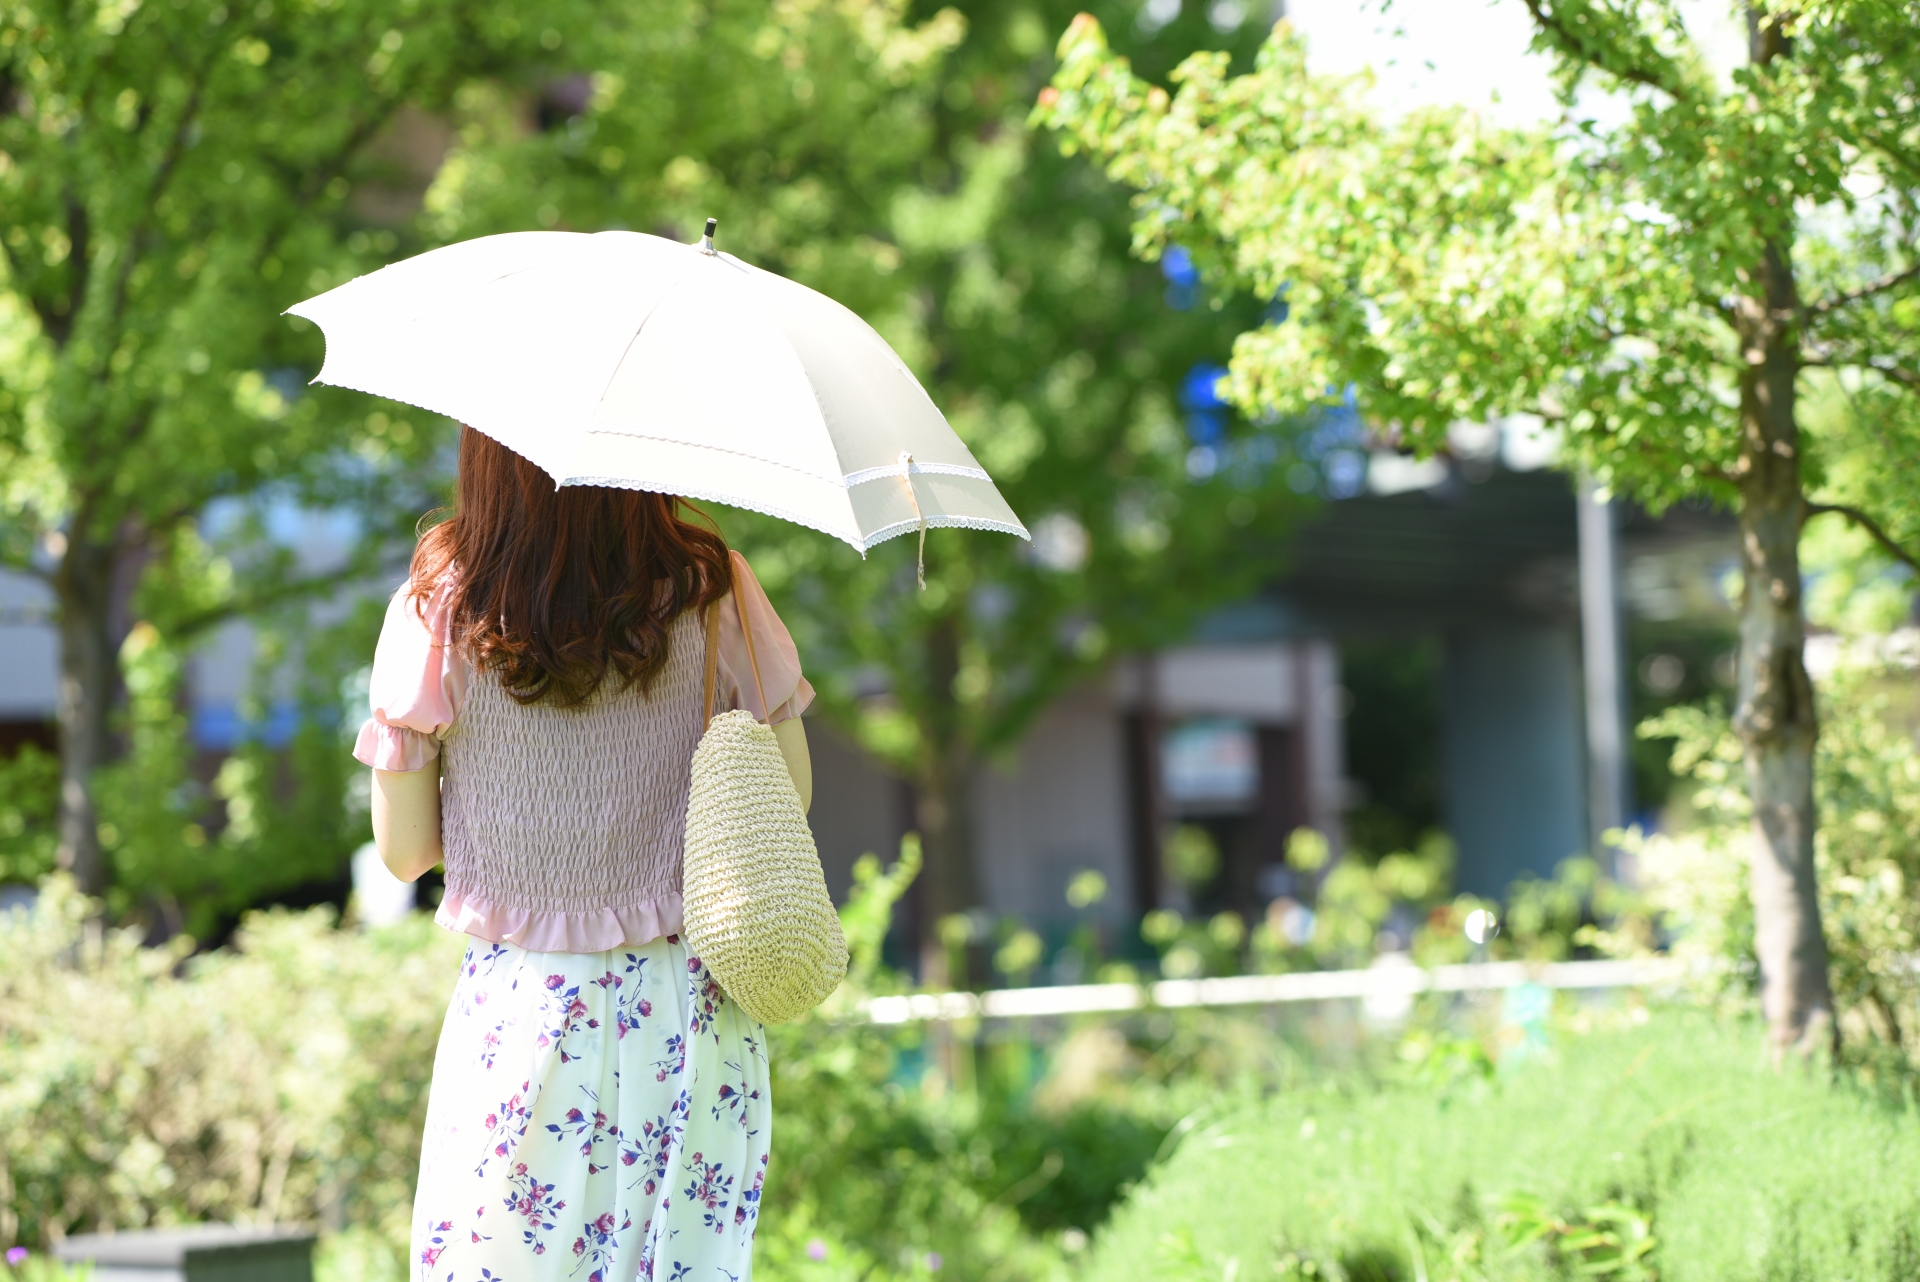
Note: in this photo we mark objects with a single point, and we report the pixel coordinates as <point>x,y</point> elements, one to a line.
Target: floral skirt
<point>600,1116</point>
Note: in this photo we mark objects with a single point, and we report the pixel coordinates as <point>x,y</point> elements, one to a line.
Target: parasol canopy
<point>630,360</point>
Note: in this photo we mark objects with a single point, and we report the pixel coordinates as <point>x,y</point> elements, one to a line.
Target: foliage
<point>39,1268</point>
<point>1663,275</point>
<point>1403,902</point>
<point>1589,272</point>
<point>191,853</point>
<point>284,1078</point>
<point>876,152</point>
<point>1672,1160</point>
<point>1868,784</point>
<point>29,787</point>
<point>172,176</point>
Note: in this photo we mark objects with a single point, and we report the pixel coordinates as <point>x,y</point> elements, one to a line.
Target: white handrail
<point>1263,990</point>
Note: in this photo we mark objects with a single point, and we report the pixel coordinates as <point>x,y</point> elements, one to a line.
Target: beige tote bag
<point>757,911</point>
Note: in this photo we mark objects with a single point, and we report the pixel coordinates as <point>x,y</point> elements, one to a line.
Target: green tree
<point>171,177</point>
<point>887,163</point>
<point>1664,279</point>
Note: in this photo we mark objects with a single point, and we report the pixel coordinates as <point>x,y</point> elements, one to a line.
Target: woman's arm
<point>406,819</point>
<point>792,737</point>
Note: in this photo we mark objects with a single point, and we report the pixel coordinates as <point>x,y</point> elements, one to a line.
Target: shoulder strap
<point>753,659</point>
<point>713,662</point>
<point>713,656</point>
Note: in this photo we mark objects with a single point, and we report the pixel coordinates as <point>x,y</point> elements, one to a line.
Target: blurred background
<point>1262,696</point>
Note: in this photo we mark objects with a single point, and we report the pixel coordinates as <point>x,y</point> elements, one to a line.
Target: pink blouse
<point>420,680</point>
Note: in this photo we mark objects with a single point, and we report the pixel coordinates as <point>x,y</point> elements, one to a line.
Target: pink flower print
<point>631,1006</point>
<point>507,1126</point>
<point>534,1202</point>
<point>731,1099</point>
<point>675,1061</point>
<point>597,1243</point>
<point>710,1188</point>
<point>705,998</point>
<point>591,1130</point>
<point>493,954</point>
<point>747,1210</point>
<point>562,1013</point>
<point>436,1242</point>
<point>490,1044</point>
<point>655,1146</point>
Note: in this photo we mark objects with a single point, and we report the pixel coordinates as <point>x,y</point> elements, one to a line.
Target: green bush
<point>1670,1148</point>
<point>284,1079</point>
<point>23,1266</point>
<point>1867,859</point>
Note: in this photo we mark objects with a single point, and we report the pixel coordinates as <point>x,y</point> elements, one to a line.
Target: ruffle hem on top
<point>590,930</point>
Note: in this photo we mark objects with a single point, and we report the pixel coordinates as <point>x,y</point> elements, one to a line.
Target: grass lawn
<point>1667,1150</point>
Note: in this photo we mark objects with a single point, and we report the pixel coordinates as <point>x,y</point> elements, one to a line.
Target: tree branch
<point>1823,356</point>
<point>1905,377</point>
<point>1872,527</point>
<point>162,175</point>
<point>1891,280</point>
<point>1589,50</point>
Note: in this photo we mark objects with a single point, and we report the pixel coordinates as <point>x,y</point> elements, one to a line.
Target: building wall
<point>1057,805</point>
<point>858,808</point>
<point>29,650</point>
<point>1513,758</point>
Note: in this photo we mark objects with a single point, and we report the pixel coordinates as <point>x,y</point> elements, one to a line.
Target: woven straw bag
<point>757,911</point>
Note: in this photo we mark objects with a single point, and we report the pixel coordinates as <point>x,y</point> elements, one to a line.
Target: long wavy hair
<point>558,591</point>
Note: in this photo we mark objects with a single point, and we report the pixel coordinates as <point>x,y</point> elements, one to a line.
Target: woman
<point>599,1109</point>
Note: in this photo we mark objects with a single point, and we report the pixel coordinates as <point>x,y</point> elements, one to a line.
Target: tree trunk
<point>944,786</point>
<point>89,670</point>
<point>1775,716</point>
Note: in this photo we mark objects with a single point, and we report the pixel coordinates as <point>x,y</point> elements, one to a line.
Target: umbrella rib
<point>634,337</point>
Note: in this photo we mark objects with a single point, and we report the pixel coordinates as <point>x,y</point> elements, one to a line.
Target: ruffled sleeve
<point>417,687</point>
<point>772,647</point>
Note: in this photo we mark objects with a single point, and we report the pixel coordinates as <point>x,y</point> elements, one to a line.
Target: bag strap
<point>753,659</point>
<point>713,663</point>
<point>713,656</point>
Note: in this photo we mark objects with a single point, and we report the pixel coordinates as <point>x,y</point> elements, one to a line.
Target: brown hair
<point>554,588</point>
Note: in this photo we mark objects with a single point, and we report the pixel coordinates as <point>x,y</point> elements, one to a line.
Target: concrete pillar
<point>1603,651</point>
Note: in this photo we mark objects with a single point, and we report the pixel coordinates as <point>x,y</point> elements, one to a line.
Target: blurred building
<point>1464,571</point>
<point>29,662</point>
<point>1467,571</point>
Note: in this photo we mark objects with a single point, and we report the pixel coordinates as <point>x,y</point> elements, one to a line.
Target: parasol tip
<point>706,238</point>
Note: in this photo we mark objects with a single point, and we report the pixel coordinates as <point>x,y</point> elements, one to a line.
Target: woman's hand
<point>406,819</point>
<point>792,738</point>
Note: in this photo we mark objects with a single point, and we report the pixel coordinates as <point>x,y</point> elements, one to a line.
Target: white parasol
<point>629,360</point>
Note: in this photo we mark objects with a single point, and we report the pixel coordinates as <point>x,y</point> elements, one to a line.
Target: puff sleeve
<point>778,660</point>
<point>416,689</point>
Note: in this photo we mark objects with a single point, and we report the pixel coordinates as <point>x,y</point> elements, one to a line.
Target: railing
<point>1388,981</point>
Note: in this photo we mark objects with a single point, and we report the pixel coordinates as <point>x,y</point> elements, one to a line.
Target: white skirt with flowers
<point>594,1116</point>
